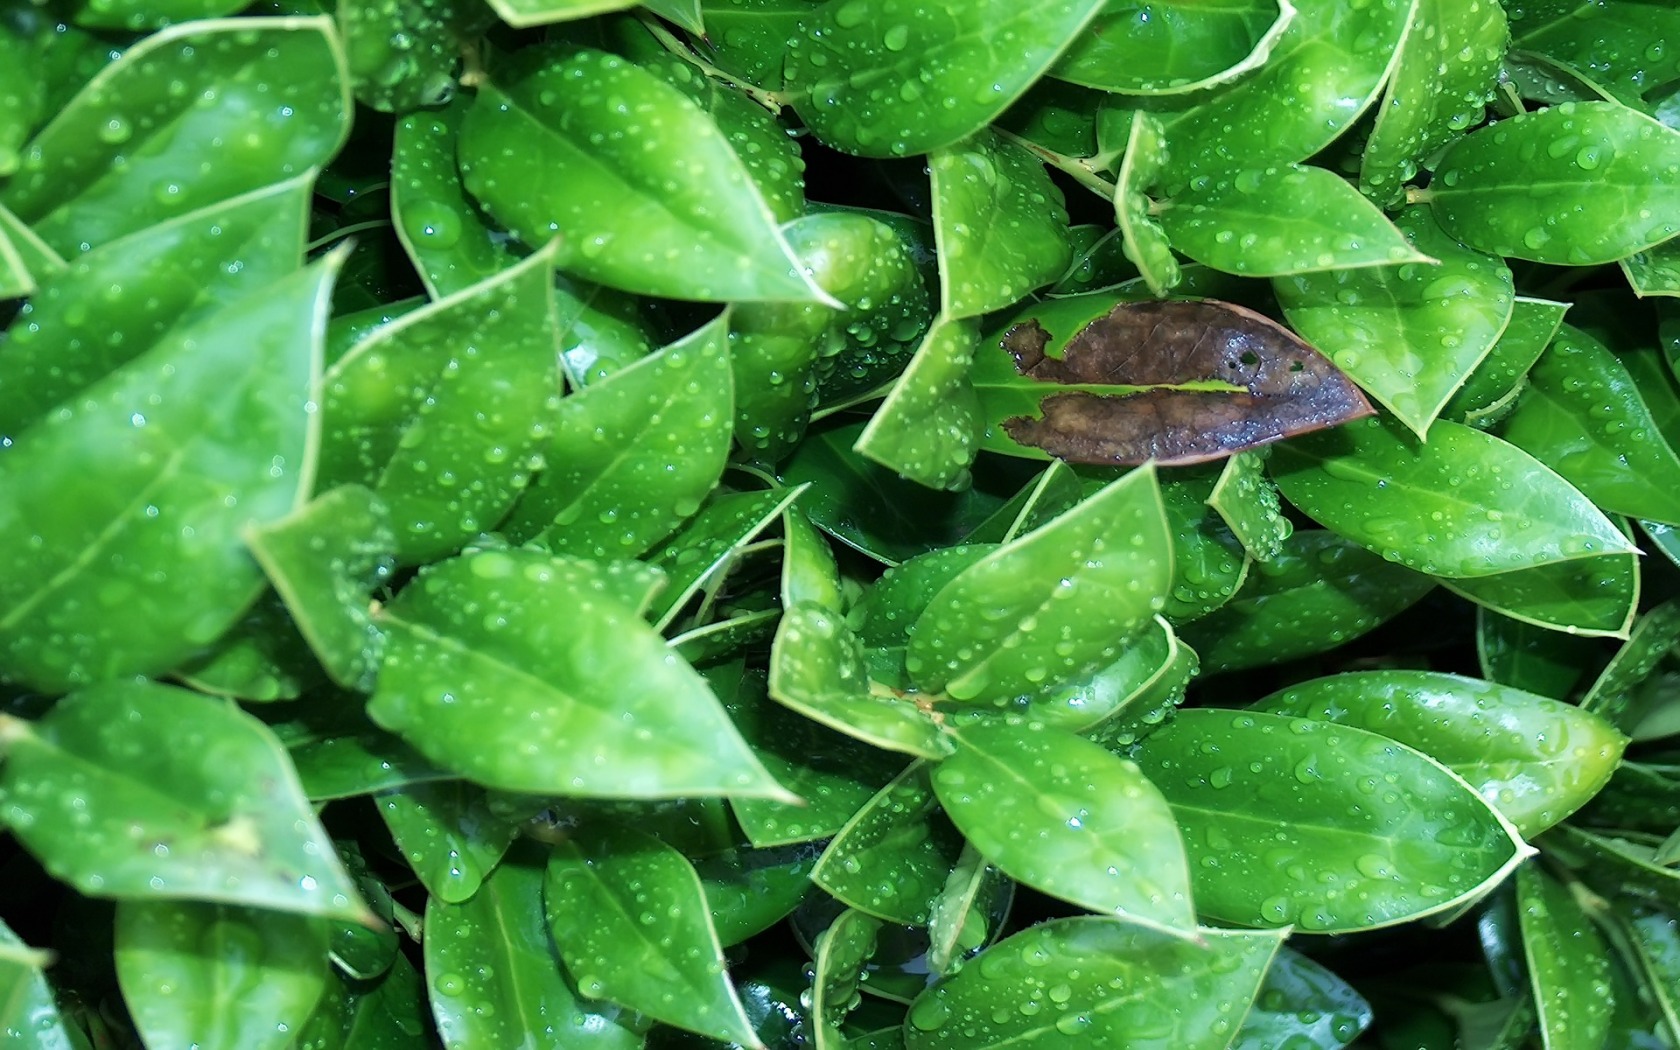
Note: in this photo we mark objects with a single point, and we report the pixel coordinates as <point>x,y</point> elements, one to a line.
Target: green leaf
<point>1247,501</point>
<point>704,551</point>
<point>442,412</point>
<point>1325,69</point>
<point>1302,1004</point>
<point>1096,981</point>
<point>749,37</point>
<point>841,952</point>
<point>809,571</point>
<point>1289,219</point>
<point>1000,224</point>
<point>1489,391</point>
<point>633,455</point>
<point>974,59</point>
<point>928,427</point>
<point>1322,826</point>
<point>1654,271</point>
<point>1068,818</point>
<point>325,560</point>
<point>282,106</point>
<point>968,911</point>
<point>1110,693</point>
<point>1596,597</point>
<point>638,181</point>
<point>1582,414</point>
<point>1612,694</point>
<point>386,1014</point>
<point>548,672</point>
<point>447,834</point>
<point>1441,83</point>
<point>168,276</point>
<point>629,917</point>
<point>192,799</point>
<point>260,659</point>
<point>215,975</point>
<point>1409,335</point>
<point>748,891</point>
<point>1574,185</point>
<point>1525,656</point>
<point>817,669</point>
<point>1209,565</point>
<point>1534,759</point>
<point>525,13</point>
<point>1612,41</point>
<point>1143,240</point>
<point>446,237</point>
<point>173,455</point>
<point>1568,963</point>
<point>29,1006</point>
<point>1321,591</point>
<point>492,969</point>
<point>1051,604</point>
<point>1465,504</point>
<point>403,53</point>
<point>901,830</point>
<point>1174,48</point>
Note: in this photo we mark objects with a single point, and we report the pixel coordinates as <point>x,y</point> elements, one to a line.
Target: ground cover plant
<point>865,524</point>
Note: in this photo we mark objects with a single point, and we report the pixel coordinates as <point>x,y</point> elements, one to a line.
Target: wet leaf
<point>1000,224</point>
<point>1582,415</point>
<point>1051,604</point>
<point>1568,963</point>
<point>325,559</point>
<point>1177,381</point>
<point>927,428</point>
<point>1143,240</point>
<point>842,950</point>
<point>1173,48</point>
<point>1324,70</point>
<point>1612,41</point>
<point>282,106</point>
<point>403,53</point>
<point>1408,335</point>
<point>968,912</point>
<point>749,37</point>
<point>1529,657</point>
<point>1289,219</point>
<point>385,1014</point>
<point>524,13</point>
<point>260,659</point>
<point>900,830</point>
<point>1209,565</point>
<point>1465,504</point>
<point>1096,981</point>
<point>631,456</point>
<point>136,790</point>
<point>1320,591</point>
<point>1442,81</point>
<point>629,917</point>
<point>1112,692</point>
<point>173,455</point>
<point>548,669</point>
<point>447,834</point>
<point>1302,1004</point>
<point>809,571</point>
<point>1566,185</point>
<point>1289,821</point>
<point>446,237</point>
<point>748,891</point>
<point>492,968</point>
<point>551,152</point>
<point>1654,271</point>
<point>705,549</point>
<point>1611,695</point>
<point>1247,501</point>
<point>214,975</point>
<point>1489,392</point>
<point>891,606</point>
<point>30,1010</point>
<point>1070,819</point>
<point>1534,759</point>
<point>980,56</point>
<point>1595,597</point>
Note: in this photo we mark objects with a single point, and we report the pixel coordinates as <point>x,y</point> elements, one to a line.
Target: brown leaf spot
<point>1284,386</point>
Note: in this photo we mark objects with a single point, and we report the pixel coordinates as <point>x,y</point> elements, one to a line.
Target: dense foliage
<point>863,524</point>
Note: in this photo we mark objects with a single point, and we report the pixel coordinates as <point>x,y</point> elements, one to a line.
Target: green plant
<point>759,520</point>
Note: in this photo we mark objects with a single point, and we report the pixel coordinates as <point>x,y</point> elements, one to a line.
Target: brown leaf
<point>1282,386</point>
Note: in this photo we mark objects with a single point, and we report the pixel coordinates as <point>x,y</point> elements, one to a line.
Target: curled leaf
<point>1175,381</point>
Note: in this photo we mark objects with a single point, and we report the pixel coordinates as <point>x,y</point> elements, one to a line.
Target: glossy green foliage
<point>402,53</point>
<point>1143,240</point>
<point>554,152</point>
<point>176,452</point>
<point>628,915</point>
<point>218,975</point>
<point>1065,816</point>
<point>1585,596</point>
<point>1582,414</point>
<point>632,456</point>
<point>1096,981</point>
<point>1488,393</point>
<point>1051,604</point>
<point>1247,501</point>
<point>1534,759</point>
<point>1356,831</point>
<point>482,681</point>
<point>1409,335</point>
<point>270,91</point>
<point>1294,219</point>
<point>1620,56</point>
<point>1575,184</point>
<point>1568,962</point>
<point>29,1012</point>
<point>1173,48</point>
<point>1302,1002</point>
<point>928,428</point>
<point>956,68</point>
<point>199,794</point>
<point>447,833</point>
<point>1000,223</point>
<point>900,829</point>
<point>1444,507</point>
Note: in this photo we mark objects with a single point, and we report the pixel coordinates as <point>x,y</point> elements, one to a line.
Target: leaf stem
<point>345,231</point>
<point>770,100</point>
<point>1079,168</point>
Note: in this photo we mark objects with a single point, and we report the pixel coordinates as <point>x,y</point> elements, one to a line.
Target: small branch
<point>770,100</point>
<point>1077,167</point>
